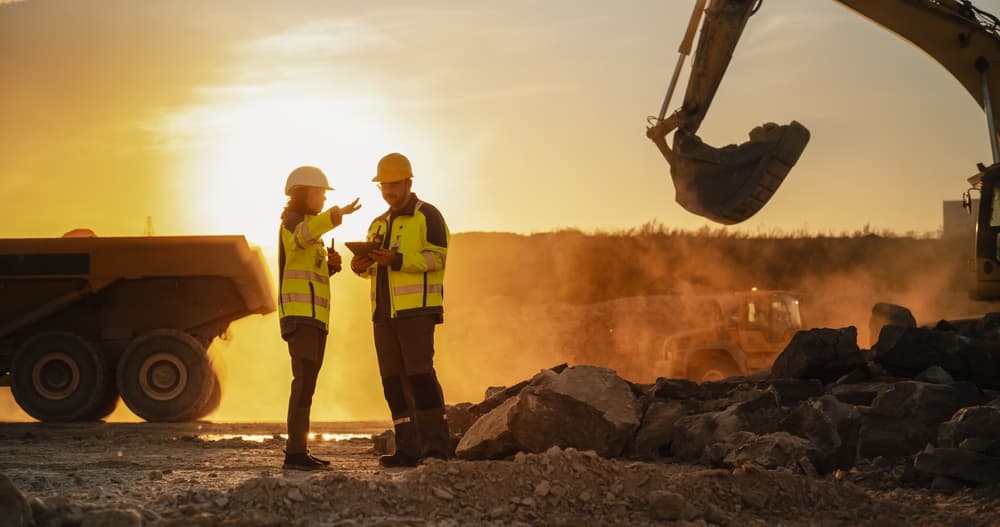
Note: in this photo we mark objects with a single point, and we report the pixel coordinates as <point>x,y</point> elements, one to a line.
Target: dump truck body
<point>65,296</point>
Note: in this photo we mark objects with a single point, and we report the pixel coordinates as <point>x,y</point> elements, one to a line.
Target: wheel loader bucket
<point>730,184</point>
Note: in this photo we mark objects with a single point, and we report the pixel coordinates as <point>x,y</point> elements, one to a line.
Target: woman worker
<point>304,270</point>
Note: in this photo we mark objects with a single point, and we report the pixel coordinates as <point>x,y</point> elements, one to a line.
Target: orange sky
<point>520,116</point>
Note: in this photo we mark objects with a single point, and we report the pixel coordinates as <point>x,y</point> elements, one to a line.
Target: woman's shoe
<point>325,462</point>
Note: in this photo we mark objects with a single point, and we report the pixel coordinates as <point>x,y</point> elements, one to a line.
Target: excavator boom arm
<point>958,36</point>
<point>730,184</point>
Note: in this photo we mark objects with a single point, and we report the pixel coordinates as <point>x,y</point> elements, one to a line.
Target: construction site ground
<point>229,474</point>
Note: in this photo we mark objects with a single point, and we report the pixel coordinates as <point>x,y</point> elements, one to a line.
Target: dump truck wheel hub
<point>55,376</point>
<point>163,376</point>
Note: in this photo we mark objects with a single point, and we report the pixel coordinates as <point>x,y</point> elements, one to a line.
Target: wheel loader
<point>729,185</point>
<point>747,330</point>
<point>85,320</point>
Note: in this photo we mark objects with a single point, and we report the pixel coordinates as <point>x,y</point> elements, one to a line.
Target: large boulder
<point>959,463</point>
<point>496,395</point>
<point>823,353</point>
<point>909,351</point>
<point>975,422</point>
<point>906,417</point>
<point>693,434</point>
<point>14,508</point>
<point>583,407</point>
<point>884,314</point>
<point>773,451</point>
<point>708,436</point>
<point>832,427</point>
<point>459,417</point>
<point>859,394</point>
<point>656,433</point>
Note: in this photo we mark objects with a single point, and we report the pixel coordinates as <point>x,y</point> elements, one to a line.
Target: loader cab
<point>773,315</point>
<point>987,261</point>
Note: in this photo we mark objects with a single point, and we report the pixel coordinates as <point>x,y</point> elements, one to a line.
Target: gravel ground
<point>229,474</point>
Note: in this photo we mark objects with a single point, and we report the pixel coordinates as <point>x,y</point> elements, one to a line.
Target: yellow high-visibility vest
<point>304,277</point>
<point>416,279</point>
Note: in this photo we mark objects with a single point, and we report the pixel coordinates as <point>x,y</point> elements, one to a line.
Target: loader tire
<point>712,366</point>
<point>59,377</point>
<point>165,376</point>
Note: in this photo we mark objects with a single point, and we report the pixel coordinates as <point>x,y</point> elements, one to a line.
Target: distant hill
<point>573,267</point>
<point>611,298</point>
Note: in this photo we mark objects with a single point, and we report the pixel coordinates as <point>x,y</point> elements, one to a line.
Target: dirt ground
<point>229,474</point>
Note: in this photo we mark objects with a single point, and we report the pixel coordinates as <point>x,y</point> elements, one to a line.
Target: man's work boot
<point>301,462</point>
<point>398,459</point>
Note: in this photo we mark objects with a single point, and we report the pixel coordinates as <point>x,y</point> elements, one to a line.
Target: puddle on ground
<point>260,438</point>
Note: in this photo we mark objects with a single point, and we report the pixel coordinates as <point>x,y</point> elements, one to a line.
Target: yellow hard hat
<point>306,176</point>
<point>393,167</point>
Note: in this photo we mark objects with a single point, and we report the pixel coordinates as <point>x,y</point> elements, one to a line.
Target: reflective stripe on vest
<point>429,259</point>
<point>296,274</point>
<point>417,288</point>
<point>302,231</point>
<point>305,298</point>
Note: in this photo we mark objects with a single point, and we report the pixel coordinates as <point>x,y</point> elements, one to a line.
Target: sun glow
<point>245,151</point>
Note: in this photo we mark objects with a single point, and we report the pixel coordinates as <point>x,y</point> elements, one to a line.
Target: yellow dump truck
<point>747,331</point>
<point>84,320</point>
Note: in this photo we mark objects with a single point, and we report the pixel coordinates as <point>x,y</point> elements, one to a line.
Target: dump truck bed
<point>116,288</point>
<point>84,320</point>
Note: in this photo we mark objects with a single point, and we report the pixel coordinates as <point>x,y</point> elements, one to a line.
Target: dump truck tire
<point>713,365</point>
<point>214,398</point>
<point>165,376</point>
<point>59,377</point>
<point>107,402</point>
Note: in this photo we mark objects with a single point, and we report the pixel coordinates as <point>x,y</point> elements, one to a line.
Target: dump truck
<point>747,331</point>
<point>86,319</point>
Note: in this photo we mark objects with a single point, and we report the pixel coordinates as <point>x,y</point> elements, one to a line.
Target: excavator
<point>730,184</point>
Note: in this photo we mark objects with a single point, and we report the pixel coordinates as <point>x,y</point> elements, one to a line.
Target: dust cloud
<point>516,304</point>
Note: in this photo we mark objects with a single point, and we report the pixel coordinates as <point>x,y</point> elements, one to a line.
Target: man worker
<point>407,290</point>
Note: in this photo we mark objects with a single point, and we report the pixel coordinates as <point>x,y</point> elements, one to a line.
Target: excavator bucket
<point>730,184</point>
<point>726,185</point>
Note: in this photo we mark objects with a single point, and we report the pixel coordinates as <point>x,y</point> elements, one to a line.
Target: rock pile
<point>924,394</point>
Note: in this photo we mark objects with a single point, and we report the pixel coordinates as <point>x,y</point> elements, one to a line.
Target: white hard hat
<point>306,176</point>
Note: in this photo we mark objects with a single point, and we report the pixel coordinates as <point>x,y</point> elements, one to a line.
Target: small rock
<point>807,467</point>
<point>295,494</point>
<point>155,475</point>
<point>442,493</point>
<point>935,375</point>
<point>384,443</point>
<point>670,506</point>
<point>543,489</point>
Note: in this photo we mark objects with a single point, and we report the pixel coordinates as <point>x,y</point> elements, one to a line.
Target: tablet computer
<point>361,248</point>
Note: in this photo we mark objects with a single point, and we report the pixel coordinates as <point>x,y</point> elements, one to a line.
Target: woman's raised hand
<point>351,207</point>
